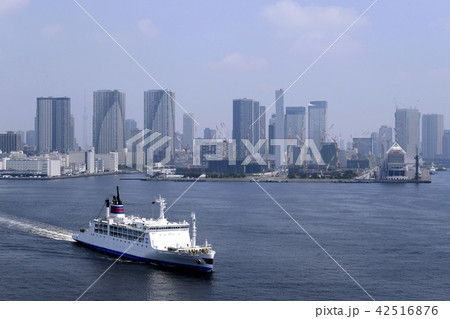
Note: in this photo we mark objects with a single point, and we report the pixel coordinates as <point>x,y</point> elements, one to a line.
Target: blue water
<point>393,239</point>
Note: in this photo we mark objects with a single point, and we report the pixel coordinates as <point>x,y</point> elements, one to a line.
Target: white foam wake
<point>36,228</point>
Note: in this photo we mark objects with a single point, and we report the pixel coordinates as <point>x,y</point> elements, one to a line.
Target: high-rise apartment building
<point>10,142</point>
<point>272,124</point>
<point>53,124</point>
<point>159,116</point>
<point>407,129</point>
<point>279,123</point>
<point>108,131</point>
<point>72,140</point>
<point>294,123</point>
<point>188,130</point>
<point>317,122</point>
<point>446,145</point>
<point>432,134</point>
<point>245,113</point>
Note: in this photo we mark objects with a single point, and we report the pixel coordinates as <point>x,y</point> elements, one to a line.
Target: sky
<point>211,52</point>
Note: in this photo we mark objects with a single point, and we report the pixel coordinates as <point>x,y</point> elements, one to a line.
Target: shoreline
<point>279,180</point>
<point>63,177</point>
<point>425,180</point>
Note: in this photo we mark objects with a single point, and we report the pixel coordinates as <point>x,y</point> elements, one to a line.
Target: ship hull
<point>197,262</point>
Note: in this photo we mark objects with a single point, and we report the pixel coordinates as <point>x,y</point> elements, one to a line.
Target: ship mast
<point>194,231</point>
<point>162,206</point>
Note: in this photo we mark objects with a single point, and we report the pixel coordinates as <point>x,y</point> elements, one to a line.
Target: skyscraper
<point>294,122</point>
<point>245,113</point>
<point>108,134</point>
<point>159,116</point>
<point>317,122</point>
<point>130,127</point>
<point>375,143</point>
<point>407,130</point>
<point>432,133</point>
<point>31,138</point>
<point>188,130</point>
<point>446,145</point>
<point>279,123</point>
<point>53,130</point>
<point>72,141</point>
<point>385,138</point>
<point>272,124</point>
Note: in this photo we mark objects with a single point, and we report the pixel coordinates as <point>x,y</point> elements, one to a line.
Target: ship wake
<point>35,228</point>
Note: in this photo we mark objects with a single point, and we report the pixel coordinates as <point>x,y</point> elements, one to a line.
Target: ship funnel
<point>117,209</point>
<point>107,208</point>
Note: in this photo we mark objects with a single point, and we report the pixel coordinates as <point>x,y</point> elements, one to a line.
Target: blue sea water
<point>393,239</point>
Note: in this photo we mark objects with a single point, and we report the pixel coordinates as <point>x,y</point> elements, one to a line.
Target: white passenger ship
<point>156,241</point>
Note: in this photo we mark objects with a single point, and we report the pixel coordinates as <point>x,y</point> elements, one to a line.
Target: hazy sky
<point>210,52</point>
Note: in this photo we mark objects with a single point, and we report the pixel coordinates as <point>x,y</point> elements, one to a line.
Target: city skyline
<point>373,79</point>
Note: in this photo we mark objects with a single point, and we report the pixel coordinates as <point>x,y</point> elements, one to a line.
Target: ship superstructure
<point>155,241</point>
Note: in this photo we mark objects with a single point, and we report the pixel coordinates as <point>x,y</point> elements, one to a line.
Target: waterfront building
<point>33,166</point>
<point>395,167</point>
<point>108,123</point>
<point>317,122</point>
<point>110,161</point>
<point>407,129</point>
<point>432,134</point>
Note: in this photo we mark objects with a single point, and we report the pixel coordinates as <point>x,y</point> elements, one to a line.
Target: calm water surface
<point>393,239</point>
